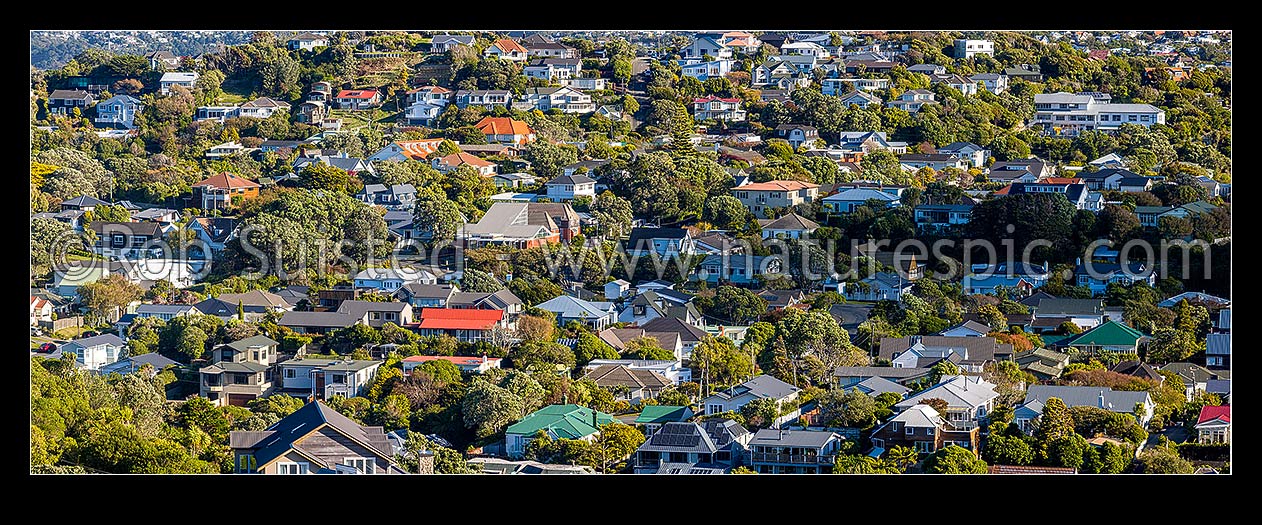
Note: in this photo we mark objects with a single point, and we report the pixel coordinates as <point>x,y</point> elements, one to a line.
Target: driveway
<point>850,315</point>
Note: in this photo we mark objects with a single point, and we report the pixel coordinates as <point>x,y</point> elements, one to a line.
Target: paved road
<point>850,315</point>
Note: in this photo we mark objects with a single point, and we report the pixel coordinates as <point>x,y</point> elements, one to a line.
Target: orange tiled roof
<point>456,159</point>
<point>777,185</point>
<point>419,149</point>
<point>508,46</point>
<point>503,126</point>
<point>1059,180</point>
<point>226,180</point>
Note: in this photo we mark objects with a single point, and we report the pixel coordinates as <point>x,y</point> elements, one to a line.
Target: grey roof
<point>791,221</point>
<point>1218,386</point>
<point>318,319</point>
<point>875,386</point>
<point>919,416</point>
<point>164,308</point>
<point>960,147</point>
<point>971,325</point>
<point>68,94</point>
<point>763,386</point>
<point>152,213</point>
<point>957,391</point>
<point>1195,373</point>
<point>131,364</point>
<point>253,341</point>
<point>356,308</point>
<point>860,195</point>
<point>1194,297</point>
<point>1060,98</point>
<point>280,437</point>
<point>648,234</point>
<point>687,332</point>
<point>429,291</point>
<point>978,348</point>
<point>619,375</point>
<point>499,300</point>
<point>247,367</point>
<point>879,371</point>
<point>572,179</point>
<point>680,437</point>
<point>573,307</point>
<point>150,229</point>
<point>324,363</point>
<point>1075,396</point>
<point>793,438</point>
<point>1060,307</point>
<point>1218,344</point>
<point>98,340</point>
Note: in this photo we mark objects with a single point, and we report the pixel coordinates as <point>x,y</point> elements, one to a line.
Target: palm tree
<point>904,457</point>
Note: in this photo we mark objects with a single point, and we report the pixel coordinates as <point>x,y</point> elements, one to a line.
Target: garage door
<point>239,400</point>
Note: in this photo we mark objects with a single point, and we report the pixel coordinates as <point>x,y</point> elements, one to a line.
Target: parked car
<point>47,348</point>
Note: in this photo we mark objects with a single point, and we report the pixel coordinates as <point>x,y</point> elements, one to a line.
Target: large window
<point>925,447</point>
<point>289,467</point>
<point>290,373</point>
<point>363,465</point>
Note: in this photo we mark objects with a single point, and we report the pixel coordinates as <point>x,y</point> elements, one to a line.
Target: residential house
<point>1120,401</point>
<point>1109,336</point>
<point>797,134</point>
<point>376,313</point>
<point>706,45</point>
<point>505,130</point>
<point>357,99</point>
<point>487,98</point>
<point>226,149</point>
<point>41,310</point>
<point>445,43</point>
<point>1137,368</point>
<point>65,101</point>
<point>875,386</point>
<point>466,364</point>
<point>779,451</point>
<point>715,242</point>
<point>391,279</point>
<point>616,289</point>
<point>1076,193</point>
<point>712,444</point>
<point>995,83</point>
<point>1105,178</point>
<point>130,365</point>
<point>506,49</point>
<point>129,240</point>
<point>927,69</point>
<point>393,196</point>
<point>969,399</point>
<point>1026,72</point>
<point>455,160</point>
<point>94,352</point>
<point>912,100</point>
<point>630,384</point>
<point>550,49</point>
<point>318,322</point>
<point>223,191</point>
<point>307,41</point>
<point>506,181</point>
<point>674,371</point>
<point>325,377</point>
<point>567,187</point>
<point>165,312</point>
<point>957,82</point>
<point>554,69</point>
<point>859,142</point>
<point>353,166</point>
<point>877,287</point>
<point>921,351</point>
<point>164,217</point>
<point>1097,276</point>
<point>861,99</point>
<point>255,304</point>
<point>563,99</point>
<point>992,284</point>
<point>932,218</point>
<point>761,196</point>
<point>712,107</point>
<point>791,226</point>
<point>1044,364</point>
<point>923,429</point>
<point>593,84</point>
<point>184,79</point>
<point>1213,425</point>
<point>974,154</point>
<point>968,48</point>
<point>162,60</point>
<point>594,315</point>
<point>736,269</point>
<point>847,377</point>
<point>1218,351</point>
<point>212,234</point>
<point>966,329</point>
<point>1196,378</point>
<point>731,399</point>
<point>1135,184</point>
<point>314,439</point>
<point>652,417</point>
<point>1068,114</point>
<point>262,107</point>
<point>1050,312</point>
<point>421,295</point>
<point>118,111</point>
<point>239,371</point>
<point>522,225</point>
<point>665,242</point>
<point>557,421</point>
<point>469,325</point>
<point>689,334</point>
<point>617,338</point>
<point>937,161</point>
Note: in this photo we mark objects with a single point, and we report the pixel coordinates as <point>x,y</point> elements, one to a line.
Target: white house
<point>966,48</point>
<point>186,79</point>
<point>119,110</point>
<point>391,279</point>
<point>165,312</point>
<point>506,49</point>
<point>567,100</point>
<point>1068,114</point>
<point>715,108</point>
<point>567,187</point>
<point>307,41</point>
<point>615,289</point>
<point>94,352</point>
<point>325,377</point>
<point>705,70</point>
<point>706,45</point>
<point>761,387</point>
<point>975,154</point>
<point>876,287</point>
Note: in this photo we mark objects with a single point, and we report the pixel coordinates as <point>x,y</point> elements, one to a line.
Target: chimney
<point>483,357</point>
<point>1100,399</point>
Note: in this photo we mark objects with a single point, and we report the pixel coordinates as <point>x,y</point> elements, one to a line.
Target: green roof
<point>658,414</point>
<point>1053,339</point>
<point>1111,333</point>
<point>562,421</point>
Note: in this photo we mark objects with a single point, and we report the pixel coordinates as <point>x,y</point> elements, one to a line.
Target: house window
<point>338,379</point>
<point>289,467</point>
<point>245,463</point>
<point>290,373</point>
<point>911,430</point>
<point>363,465</point>
<point>924,447</point>
<point>714,409</point>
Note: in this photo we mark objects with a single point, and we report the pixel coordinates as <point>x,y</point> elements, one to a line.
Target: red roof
<point>1210,413</point>
<point>226,180</point>
<point>459,318</point>
<point>458,360</point>
<point>363,94</point>
<point>431,89</point>
<point>777,185</point>
<point>1004,190</point>
<point>712,98</point>
<point>419,149</point>
<point>509,46</point>
<point>38,302</point>
<point>1059,180</point>
<point>503,126</point>
<point>456,159</point>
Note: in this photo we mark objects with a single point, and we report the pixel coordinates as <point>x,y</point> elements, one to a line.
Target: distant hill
<point>52,49</point>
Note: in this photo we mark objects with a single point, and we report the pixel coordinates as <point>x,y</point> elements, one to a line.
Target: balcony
<point>793,459</point>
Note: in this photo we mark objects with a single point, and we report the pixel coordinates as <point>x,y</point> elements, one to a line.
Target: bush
<point>1205,451</point>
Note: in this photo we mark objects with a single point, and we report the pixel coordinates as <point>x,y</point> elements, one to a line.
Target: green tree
<point>954,459</point>
<point>1161,459</point>
<point>904,457</point>
<point>1169,345</point>
<point>489,408</point>
<point>718,360</point>
<point>108,297</point>
<point>326,177</point>
<point>646,348</point>
<point>613,215</point>
<point>438,216</point>
<point>530,354</point>
<point>846,464</point>
<point>737,305</point>
<point>847,409</point>
<point>192,342</point>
